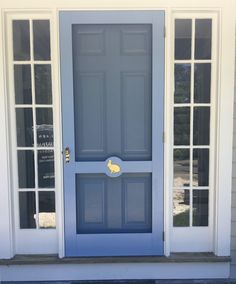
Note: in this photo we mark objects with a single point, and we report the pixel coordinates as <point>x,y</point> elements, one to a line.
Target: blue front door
<point>112,74</point>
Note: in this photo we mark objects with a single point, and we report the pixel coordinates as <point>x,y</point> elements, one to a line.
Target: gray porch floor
<point>174,257</point>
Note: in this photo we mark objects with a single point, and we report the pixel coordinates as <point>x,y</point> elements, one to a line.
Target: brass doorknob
<point>67,154</point>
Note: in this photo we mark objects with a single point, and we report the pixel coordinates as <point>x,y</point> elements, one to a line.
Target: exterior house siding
<point>233,218</point>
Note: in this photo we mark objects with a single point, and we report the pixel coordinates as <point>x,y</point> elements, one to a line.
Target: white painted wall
<point>233,209</point>
<point>6,248</point>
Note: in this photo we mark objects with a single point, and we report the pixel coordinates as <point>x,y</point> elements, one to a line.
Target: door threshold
<point>173,258</point>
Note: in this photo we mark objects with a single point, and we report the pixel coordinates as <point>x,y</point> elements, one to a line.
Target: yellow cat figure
<point>113,167</point>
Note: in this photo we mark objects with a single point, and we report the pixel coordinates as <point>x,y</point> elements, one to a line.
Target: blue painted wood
<point>120,205</point>
<point>101,167</point>
<point>150,243</point>
<point>112,91</point>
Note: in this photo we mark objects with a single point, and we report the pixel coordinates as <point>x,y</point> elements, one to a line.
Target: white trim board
<point>114,271</point>
<point>6,245</point>
<point>117,4</point>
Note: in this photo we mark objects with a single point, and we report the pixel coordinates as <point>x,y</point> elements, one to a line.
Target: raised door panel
<point>112,91</point>
<point>89,112</point>
<point>137,115</point>
<point>113,205</point>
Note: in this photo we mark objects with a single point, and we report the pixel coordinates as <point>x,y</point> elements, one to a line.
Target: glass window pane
<point>43,88</point>
<point>22,79</point>
<point>47,209</point>
<point>181,167</point>
<point>200,207</point>
<point>183,34</point>
<point>21,40</point>
<point>201,167</point>
<point>182,83</point>
<point>27,210</point>
<point>26,174</point>
<point>24,127</point>
<point>202,83</point>
<point>203,38</point>
<point>44,126</point>
<point>41,40</point>
<point>181,208</point>
<point>46,178</point>
<point>201,126</point>
<point>182,126</point>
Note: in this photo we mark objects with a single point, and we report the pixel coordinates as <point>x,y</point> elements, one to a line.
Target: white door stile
<point>168,175</point>
<point>59,182</point>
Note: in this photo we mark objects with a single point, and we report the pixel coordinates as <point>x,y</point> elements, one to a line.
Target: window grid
<point>35,148</point>
<point>193,105</point>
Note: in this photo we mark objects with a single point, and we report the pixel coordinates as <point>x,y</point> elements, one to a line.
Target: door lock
<point>67,154</point>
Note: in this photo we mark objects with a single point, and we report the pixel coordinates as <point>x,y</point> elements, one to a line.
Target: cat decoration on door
<point>114,168</point>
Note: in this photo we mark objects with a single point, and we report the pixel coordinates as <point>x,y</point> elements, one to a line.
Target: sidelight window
<point>192,121</point>
<point>34,123</point>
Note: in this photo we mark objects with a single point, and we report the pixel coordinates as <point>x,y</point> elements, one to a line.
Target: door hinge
<point>163,236</point>
<point>164,32</point>
<point>163,137</point>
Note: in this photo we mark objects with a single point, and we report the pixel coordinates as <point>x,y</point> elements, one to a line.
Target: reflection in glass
<point>181,208</point>
<point>202,82</point>
<point>182,83</point>
<point>21,40</point>
<point>200,207</point>
<point>201,126</point>
<point>181,167</point>
<point>46,176</point>
<point>44,127</point>
<point>201,167</point>
<point>27,210</point>
<point>182,126</point>
<point>203,38</point>
<point>24,127</point>
<point>26,175</point>
<point>47,209</point>
<point>41,39</point>
<point>43,88</point>
<point>22,80</point>
<point>183,34</point>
